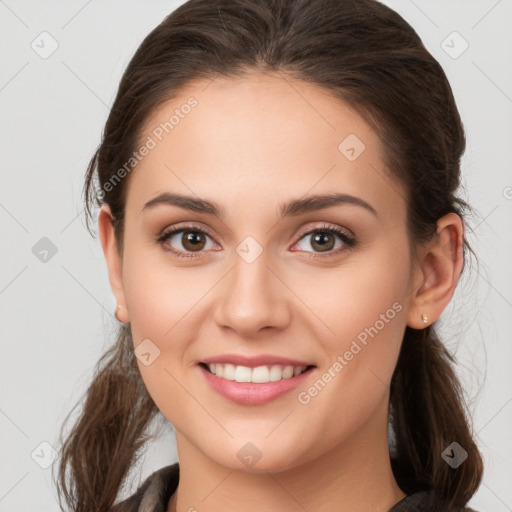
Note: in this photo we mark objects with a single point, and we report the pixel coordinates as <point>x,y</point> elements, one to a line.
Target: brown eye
<point>184,241</point>
<point>193,240</point>
<point>323,241</point>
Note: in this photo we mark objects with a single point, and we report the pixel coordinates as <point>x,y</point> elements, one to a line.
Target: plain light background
<point>56,316</point>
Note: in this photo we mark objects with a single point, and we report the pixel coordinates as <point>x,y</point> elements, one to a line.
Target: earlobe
<point>113,261</point>
<point>440,265</point>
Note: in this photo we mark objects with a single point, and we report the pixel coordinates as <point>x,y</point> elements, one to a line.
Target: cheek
<point>160,296</point>
<point>163,301</point>
<point>159,300</point>
<point>363,305</point>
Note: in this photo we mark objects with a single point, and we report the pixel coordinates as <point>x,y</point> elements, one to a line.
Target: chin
<point>254,458</point>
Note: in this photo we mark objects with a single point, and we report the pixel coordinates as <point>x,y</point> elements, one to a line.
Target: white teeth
<point>287,372</point>
<point>276,373</point>
<point>243,374</point>
<point>228,372</point>
<point>260,374</point>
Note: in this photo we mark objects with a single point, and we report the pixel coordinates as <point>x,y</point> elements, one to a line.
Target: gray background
<point>56,315</point>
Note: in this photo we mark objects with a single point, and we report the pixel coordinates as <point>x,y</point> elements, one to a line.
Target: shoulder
<point>421,502</point>
<point>154,493</point>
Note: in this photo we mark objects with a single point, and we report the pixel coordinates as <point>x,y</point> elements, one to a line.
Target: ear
<point>113,260</point>
<point>440,263</point>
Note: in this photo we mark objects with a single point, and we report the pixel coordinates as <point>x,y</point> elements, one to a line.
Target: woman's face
<point>251,283</point>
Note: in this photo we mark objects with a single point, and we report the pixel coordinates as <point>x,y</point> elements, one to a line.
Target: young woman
<point>277,188</point>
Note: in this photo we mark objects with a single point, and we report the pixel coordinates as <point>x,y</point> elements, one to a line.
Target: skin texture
<point>249,145</point>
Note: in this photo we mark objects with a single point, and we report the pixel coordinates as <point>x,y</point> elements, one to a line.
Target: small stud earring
<point>424,318</point>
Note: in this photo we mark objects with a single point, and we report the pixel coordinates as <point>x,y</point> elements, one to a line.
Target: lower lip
<point>250,393</point>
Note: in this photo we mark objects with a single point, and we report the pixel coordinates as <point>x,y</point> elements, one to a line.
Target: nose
<point>252,297</point>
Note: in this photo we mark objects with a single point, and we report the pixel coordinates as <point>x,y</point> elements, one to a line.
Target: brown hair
<point>367,55</point>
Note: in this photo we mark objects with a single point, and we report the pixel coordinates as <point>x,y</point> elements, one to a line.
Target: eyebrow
<point>292,208</point>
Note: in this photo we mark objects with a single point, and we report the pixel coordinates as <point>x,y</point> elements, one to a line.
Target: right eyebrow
<point>187,203</point>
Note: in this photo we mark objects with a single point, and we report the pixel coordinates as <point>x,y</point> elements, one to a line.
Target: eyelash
<point>350,242</point>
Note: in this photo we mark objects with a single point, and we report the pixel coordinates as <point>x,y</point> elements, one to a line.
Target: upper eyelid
<point>326,226</point>
<point>174,228</point>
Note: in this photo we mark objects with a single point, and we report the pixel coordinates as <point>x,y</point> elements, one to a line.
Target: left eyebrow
<point>291,208</point>
<point>319,202</point>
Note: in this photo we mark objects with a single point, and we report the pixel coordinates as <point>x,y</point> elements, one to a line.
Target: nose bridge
<point>252,297</point>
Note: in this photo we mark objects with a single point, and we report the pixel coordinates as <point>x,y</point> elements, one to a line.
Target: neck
<point>355,476</point>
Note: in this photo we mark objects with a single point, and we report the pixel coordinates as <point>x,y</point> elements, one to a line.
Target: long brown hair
<point>365,54</point>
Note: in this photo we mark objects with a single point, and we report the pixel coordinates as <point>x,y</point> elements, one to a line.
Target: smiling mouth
<point>259,374</point>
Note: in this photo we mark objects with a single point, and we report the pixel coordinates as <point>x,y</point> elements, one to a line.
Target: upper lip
<point>253,362</point>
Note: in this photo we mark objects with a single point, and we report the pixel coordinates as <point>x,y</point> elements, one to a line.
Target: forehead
<point>264,135</point>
